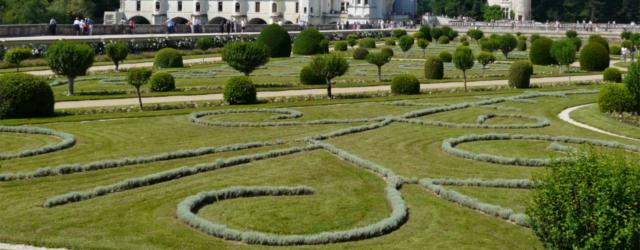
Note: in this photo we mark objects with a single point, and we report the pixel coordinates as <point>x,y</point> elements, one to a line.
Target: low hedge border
<point>280,114</point>
<point>540,122</point>
<point>68,141</point>
<point>498,183</point>
<point>449,146</point>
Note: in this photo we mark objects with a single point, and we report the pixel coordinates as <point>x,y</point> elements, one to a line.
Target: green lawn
<point>592,116</point>
<point>346,195</point>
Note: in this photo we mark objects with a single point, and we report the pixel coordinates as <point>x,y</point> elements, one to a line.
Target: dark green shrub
<point>577,42</point>
<point>379,60</point>
<point>534,37</point>
<point>162,82</point>
<point>276,39</point>
<point>117,52</point>
<point>367,43</point>
<point>308,42</point>
<point>387,52</point>
<point>329,66</point>
<point>398,33</point>
<point>405,84</point>
<point>452,35</point>
<point>612,75</point>
<point>406,43</point>
<point>324,46</point>
<point>446,31</point>
<point>520,74</point>
<point>240,90</point>
<point>602,41</point>
<point>16,56</point>
<point>434,68</point>
<point>540,52</point>
<point>488,44</point>
<point>352,40</point>
<point>615,98</point>
<point>137,77</point>
<point>310,77</point>
<point>390,42</point>
<point>626,35</point>
<point>341,46</point>
<point>418,35</point>
<point>571,33</point>
<point>360,53</point>
<point>436,33</point>
<point>443,40</point>
<point>426,30</point>
<point>614,50</point>
<point>589,203</point>
<point>485,58</point>
<point>445,56</point>
<point>594,57</point>
<point>465,43</point>
<point>70,59</point>
<point>168,58</point>
<point>507,43</point>
<point>632,82</point>
<point>245,56</point>
<point>476,34</point>
<point>522,44</point>
<point>23,95</point>
<point>564,52</point>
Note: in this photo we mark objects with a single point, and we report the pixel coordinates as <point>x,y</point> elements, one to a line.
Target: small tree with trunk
<point>137,77</point>
<point>379,59</point>
<point>203,44</point>
<point>117,52</point>
<point>245,56</point>
<point>16,56</point>
<point>485,58</point>
<point>564,52</point>
<point>329,66</point>
<point>464,60</point>
<point>476,34</point>
<point>507,43</point>
<point>71,60</point>
<point>406,43</point>
<point>423,44</point>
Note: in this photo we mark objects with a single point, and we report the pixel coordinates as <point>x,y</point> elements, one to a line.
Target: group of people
<point>628,53</point>
<point>83,26</point>
<point>127,27</point>
<point>232,27</point>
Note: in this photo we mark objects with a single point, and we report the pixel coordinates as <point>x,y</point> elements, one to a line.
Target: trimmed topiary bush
<point>245,56</point>
<point>71,60</point>
<point>406,43</point>
<point>352,40</point>
<point>434,68</point>
<point>445,56</point>
<point>276,39</point>
<point>540,52</point>
<point>443,40</point>
<point>324,46</point>
<point>426,30</point>
<point>162,82</point>
<point>360,53</point>
<point>341,46</point>
<point>405,84</point>
<point>522,43</point>
<point>594,57</point>
<point>240,90</point>
<point>23,95</point>
<point>16,56</point>
<point>612,75</point>
<point>308,42</point>
<point>602,41</point>
<point>418,35</point>
<point>475,34</point>
<point>615,50</point>
<point>615,98</point>
<point>520,74</point>
<point>387,52</point>
<point>117,52</point>
<point>168,58</point>
<point>367,43</point>
<point>571,34</point>
<point>489,44</point>
<point>310,77</point>
<point>436,33</point>
<point>390,42</point>
<point>398,33</point>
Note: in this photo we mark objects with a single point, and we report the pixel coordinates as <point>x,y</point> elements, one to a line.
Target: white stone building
<point>265,11</point>
<point>519,10</point>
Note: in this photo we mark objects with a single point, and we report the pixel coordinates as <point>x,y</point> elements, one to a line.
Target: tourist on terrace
<point>132,26</point>
<point>123,24</point>
<point>623,54</point>
<point>76,26</point>
<point>52,26</point>
<point>190,25</point>
<point>89,24</point>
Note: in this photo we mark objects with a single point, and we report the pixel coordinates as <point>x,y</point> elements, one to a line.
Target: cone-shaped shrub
<point>520,74</point>
<point>434,68</point>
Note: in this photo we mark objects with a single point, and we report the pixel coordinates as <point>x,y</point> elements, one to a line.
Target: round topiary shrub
<point>612,75</point>
<point>600,40</point>
<point>309,77</point>
<point>405,84</point>
<point>446,56</point>
<point>240,90</point>
<point>308,42</point>
<point>540,52</point>
<point>276,39</point>
<point>576,42</point>
<point>324,46</point>
<point>398,33</point>
<point>436,33</point>
<point>367,43</point>
<point>162,82</point>
<point>360,53</point>
<point>594,57</point>
<point>615,98</point>
<point>614,50</point>
<point>520,74</point>
<point>390,42</point>
<point>341,46</point>
<point>168,58</point>
<point>24,95</point>
<point>522,44</point>
<point>387,52</point>
<point>571,33</point>
<point>434,68</point>
<point>443,40</point>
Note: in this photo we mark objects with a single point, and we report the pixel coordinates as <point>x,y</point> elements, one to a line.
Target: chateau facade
<point>266,11</point>
<point>519,10</point>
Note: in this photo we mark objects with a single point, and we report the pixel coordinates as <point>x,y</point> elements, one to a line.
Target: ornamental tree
<point>423,44</point>
<point>203,44</point>
<point>406,43</point>
<point>71,60</point>
<point>485,58</point>
<point>137,77</point>
<point>117,52</point>
<point>245,56</point>
<point>379,59</point>
<point>464,60</point>
<point>329,66</point>
<point>476,34</point>
<point>507,43</point>
<point>564,52</point>
<point>16,56</point>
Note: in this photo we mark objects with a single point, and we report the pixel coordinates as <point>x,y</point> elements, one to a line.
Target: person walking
<point>190,25</point>
<point>132,26</point>
<point>76,26</point>
<point>52,26</point>
<point>123,24</point>
<point>83,27</point>
<point>242,25</point>
<point>89,23</point>
<point>623,54</point>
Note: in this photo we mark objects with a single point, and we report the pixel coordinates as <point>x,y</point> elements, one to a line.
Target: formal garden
<point>459,168</point>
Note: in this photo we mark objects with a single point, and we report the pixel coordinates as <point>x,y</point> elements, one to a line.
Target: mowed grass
<point>346,196</point>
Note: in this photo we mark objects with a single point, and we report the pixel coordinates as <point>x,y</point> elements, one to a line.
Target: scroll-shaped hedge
<point>540,122</point>
<point>449,146</point>
<point>280,114</point>
<point>68,140</point>
<point>498,183</point>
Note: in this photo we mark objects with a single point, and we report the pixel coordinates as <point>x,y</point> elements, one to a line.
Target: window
<point>157,6</point>
<point>138,7</point>
<point>274,8</point>
<point>237,7</point>
<point>179,5</point>
<point>359,1</point>
<point>198,7</point>
<point>342,8</point>
<point>257,7</point>
<point>305,10</point>
<point>297,7</point>
<point>311,9</point>
<point>219,6</point>
<point>366,2</point>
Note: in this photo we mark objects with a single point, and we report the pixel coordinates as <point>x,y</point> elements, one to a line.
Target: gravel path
<point>565,115</point>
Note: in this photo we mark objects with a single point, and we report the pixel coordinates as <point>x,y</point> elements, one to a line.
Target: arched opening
<point>218,20</point>
<point>288,22</point>
<point>274,8</point>
<point>257,21</point>
<point>180,20</point>
<point>139,20</point>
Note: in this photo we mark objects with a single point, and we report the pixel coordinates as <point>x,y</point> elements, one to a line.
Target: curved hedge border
<point>123,162</point>
<point>498,183</point>
<point>449,146</point>
<point>540,122</point>
<point>495,210</point>
<point>280,114</point>
<point>68,140</point>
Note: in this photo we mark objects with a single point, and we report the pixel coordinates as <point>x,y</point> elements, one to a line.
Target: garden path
<point>565,115</point>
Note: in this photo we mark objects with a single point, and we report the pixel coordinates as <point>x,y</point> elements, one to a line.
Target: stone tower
<point>520,9</point>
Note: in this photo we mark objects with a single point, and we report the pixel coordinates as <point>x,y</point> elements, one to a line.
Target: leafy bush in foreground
<point>24,95</point>
<point>615,98</point>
